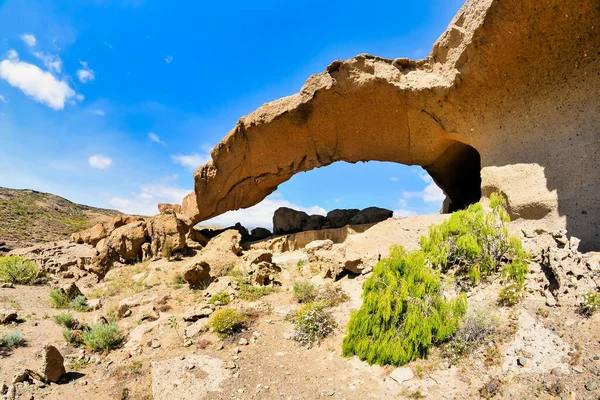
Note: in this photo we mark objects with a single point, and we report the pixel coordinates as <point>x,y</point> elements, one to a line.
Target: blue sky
<point>115,103</point>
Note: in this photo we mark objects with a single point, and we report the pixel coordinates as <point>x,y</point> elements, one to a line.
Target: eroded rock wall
<point>515,80</point>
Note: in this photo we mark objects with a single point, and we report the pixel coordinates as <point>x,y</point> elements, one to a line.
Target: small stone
<point>8,316</point>
<point>220,347</point>
<point>577,369</point>
<point>236,350</point>
<point>401,375</point>
<point>523,362</point>
<point>155,344</point>
<point>230,365</point>
<point>288,336</point>
<point>243,342</point>
<point>591,385</point>
<point>187,343</point>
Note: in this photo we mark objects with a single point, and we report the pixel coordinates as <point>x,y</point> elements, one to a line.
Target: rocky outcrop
<point>166,229</point>
<point>196,273</point>
<point>287,220</point>
<point>259,234</point>
<point>127,240</point>
<point>259,268</point>
<point>91,236</point>
<point>478,101</point>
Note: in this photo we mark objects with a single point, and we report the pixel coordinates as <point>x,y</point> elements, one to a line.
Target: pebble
<point>236,350</point>
<point>591,385</point>
<point>523,362</point>
<point>243,342</point>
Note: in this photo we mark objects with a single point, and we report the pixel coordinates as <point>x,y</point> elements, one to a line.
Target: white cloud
<point>29,39</point>
<point>3,99</point>
<point>99,161</point>
<point>12,54</point>
<point>394,179</point>
<point>260,214</point>
<point>403,203</point>
<point>31,80</point>
<point>431,194</point>
<point>169,59</point>
<point>98,111</point>
<point>191,161</point>
<point>145,202</point>
<point>51,61</point>
<point>154,138</point>
<point>108,45</point>
<point>401,213</point>
<point>85,74</point>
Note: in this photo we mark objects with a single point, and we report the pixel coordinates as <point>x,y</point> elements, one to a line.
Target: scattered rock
<point>71,290</point>
<point>196,313</point>
<point>401,375</point>
<point>243,342</point>
<point>197,272</point>
<point>523,362</point>
<point>591,385</point>
<point>7,316</point>
<point>54,368</point>
<point>196,328</point>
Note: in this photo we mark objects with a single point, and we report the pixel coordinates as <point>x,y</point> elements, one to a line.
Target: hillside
<point>28,217</point>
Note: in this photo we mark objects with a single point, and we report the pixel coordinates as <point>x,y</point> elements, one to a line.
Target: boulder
<point>195,313</point>
<point>259,267</point>
<point>54,368</point>
<point>91,236</point>
<point>196,328</point>
<point>224,284</point>
<point>314,222</point>
<point>220,253</point>
<point>287,220</point>
<point>371,215</point>
<point>146,251</point>
<point>123,220</point>
<point>127,240</point>
<point>259,234</point>
<point>166,230</point>
<point>165,208</point>
<point>7,316</point>
<point>197,272</point>
<point>228,242</point>
<point>71,290</point>
<point>338,218</point>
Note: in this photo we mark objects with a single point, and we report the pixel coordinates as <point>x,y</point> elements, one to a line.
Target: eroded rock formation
<point>511,88</point>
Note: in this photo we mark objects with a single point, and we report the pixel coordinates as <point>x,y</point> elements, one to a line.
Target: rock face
<point>91,236</point>
<point>287,220</point>
<point>166,229</point>
<point>54,367</point>
<point>127,240</point>
<point>477,102</point>
<point>371,215</point>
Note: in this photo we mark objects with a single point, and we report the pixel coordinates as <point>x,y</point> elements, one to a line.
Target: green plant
<point>312,323</point>
<point>102,337</point>
<point>58,299</point>
<point>79,364</point>
<point>477,243</point>
<point>112,314</point>
<point>253,293</point>
<point>79,303</point>
<point>221,298</point>
<point>227,321</point>
<point>404,311</point>
<point>73,337</point>
<point>590,302</point>
<point>167,249</point>
<point>476,330</point>
<point>491,388</point>
<point>332,295</point>
<point>16,269</point>
<point>304,291</point>
<point>300,264</point>
<point>12,340</point>
<point>174,324</point>
<point>510,295</point>
<point>64,319</point>
<point>492,356</point>
<point>178,279</point>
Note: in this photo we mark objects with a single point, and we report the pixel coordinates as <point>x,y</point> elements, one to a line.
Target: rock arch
<point>512,85</point>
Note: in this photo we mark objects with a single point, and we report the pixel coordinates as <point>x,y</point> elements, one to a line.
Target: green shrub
<point>403,313</point>
<point>476,330</point>
<point>332,295</point>
<point>167,249</point>
<point>73,337</point>
<point>227,321</point>
<point>64,319</point>
<point>12,340</point>
<point>253,293</point>
<point>510,295</point>
<point>221,298</point>
<point>304,291</point>
<point>312,323</point>
<point>79,303</point>
<point>102,337</point>
<point>178,279</point>
<point>58,299</point>
<point>477,243</point>
<point>16,269</point>
<point>590,303</point>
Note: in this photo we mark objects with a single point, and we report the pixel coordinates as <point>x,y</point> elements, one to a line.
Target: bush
<point>312,323</point>
<point>476,330</point>
<point>16,269</point>
<point>178,279</point>
<point>79,303</point>
<point>304,291</point>
<point>590,302</point>
<point>64,319</point>
<point>102,337</point>
<point>221,298</point>
<point>510,295</point>
<point>58,299</point>
<point>12,340</point>
<point>477,243</point>
<point>167,249</point>
<point>253,293</point>
<point>73,337</point>
<point>227,321</point>
<point>403,313</point>
<point>332,295</point>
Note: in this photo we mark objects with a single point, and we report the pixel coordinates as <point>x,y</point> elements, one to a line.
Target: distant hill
<point>28,217</point>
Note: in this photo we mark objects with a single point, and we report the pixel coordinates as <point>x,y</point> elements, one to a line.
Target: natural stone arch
<point>515,80</point>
